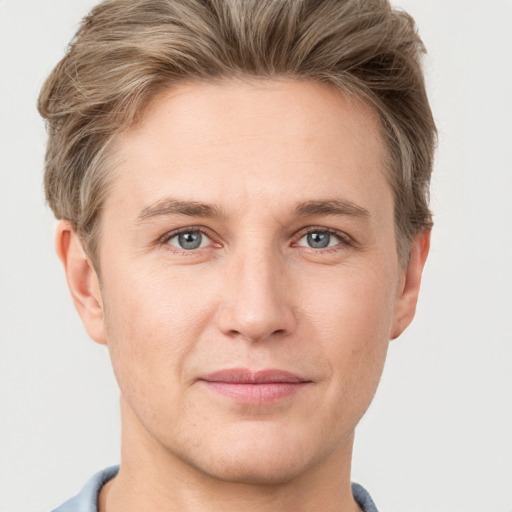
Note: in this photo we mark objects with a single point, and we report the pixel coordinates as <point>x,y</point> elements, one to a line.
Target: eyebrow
<point>331,207</point>
<point>171,206</point>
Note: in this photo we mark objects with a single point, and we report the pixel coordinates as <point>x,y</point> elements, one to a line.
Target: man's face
<point>249,276</point>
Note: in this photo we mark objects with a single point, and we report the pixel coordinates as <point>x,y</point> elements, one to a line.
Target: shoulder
<point>363,498</point>
<point>87,499</point>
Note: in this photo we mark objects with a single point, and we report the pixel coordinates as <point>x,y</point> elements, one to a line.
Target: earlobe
<point>409,287</point>
<point>83,282</point>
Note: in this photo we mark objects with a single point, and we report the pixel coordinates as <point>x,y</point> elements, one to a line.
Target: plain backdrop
<point>438,436</point>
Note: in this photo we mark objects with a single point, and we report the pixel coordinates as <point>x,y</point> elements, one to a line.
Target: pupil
<point>319,240</point>
<point>190,240</point>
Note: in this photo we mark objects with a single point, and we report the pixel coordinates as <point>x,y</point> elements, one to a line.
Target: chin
<point>258,471</point>
<point>260,461</point>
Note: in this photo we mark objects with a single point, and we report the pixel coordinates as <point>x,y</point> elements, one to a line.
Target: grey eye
<point>318,240</point>
<point>188,240</point>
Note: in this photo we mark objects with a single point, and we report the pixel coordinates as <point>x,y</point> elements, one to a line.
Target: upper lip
<point>246,376</point>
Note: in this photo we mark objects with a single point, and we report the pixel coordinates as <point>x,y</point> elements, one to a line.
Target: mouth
<point>255,387</point>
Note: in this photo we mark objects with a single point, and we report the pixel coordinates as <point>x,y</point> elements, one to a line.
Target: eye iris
<point>319,240</point>
<point>190,240</point>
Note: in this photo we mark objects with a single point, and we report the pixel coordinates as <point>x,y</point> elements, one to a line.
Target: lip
<point>255,387</point>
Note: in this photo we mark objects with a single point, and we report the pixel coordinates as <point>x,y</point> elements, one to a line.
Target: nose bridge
<point>256,301</point>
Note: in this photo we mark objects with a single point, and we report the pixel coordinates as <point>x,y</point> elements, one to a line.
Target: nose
<point>257,302</point>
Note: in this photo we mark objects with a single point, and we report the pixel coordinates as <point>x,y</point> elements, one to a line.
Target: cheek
<point>354,318</point>
<point>153,322</point>
<point>354,304</point>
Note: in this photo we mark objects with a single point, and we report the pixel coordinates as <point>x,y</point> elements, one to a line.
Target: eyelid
<point>164,239</point>
<point>343,237</point>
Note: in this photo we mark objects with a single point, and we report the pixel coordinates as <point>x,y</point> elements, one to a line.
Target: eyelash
<point>163,241</point>
<point>345,240</point>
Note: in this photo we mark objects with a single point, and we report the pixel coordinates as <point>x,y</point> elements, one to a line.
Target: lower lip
<point>258,393</point>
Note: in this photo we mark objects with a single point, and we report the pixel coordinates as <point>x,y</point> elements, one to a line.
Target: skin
<point>274,161</point>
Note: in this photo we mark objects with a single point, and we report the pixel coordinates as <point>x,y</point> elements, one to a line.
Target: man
<point>242,188</point>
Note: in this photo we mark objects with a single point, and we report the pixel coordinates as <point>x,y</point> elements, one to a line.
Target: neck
<point>151,478</point>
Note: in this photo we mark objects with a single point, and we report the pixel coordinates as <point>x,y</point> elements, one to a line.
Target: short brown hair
<point>126,51</point>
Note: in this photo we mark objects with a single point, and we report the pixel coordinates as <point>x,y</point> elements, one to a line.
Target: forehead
<point>240,141</point>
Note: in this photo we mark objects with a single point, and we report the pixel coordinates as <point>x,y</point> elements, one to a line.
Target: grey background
<point>438,436</point>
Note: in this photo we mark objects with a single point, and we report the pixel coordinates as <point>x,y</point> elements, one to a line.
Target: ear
<point>82,280</point>
<point>409,286</point>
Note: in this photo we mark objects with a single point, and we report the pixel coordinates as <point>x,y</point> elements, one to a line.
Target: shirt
<point>87,499</point>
